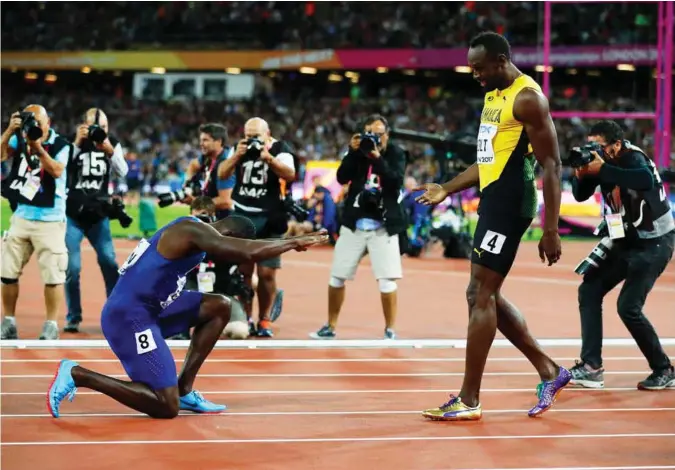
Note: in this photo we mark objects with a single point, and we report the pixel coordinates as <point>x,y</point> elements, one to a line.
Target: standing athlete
<point>148,304</point>
<point>515,130</point>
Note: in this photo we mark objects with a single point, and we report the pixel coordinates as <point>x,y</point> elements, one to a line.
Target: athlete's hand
<point>433,194</point>
<point>316,238</point>
<point>550,247</point>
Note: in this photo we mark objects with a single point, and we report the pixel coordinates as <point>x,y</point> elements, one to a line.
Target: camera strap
<point>207,174</point>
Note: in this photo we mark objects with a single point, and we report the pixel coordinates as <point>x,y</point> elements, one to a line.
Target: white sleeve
<point>119,164</point>
<point>286,159</point>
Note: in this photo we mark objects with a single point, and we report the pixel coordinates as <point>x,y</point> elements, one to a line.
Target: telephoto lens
<point>596,257</point>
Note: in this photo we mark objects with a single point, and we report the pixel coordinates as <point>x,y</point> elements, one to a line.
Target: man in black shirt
<point>638,247</point>
<point>263,167</point>
<point>96,155</point>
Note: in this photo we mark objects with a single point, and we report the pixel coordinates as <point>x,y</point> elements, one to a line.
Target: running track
<point>329,408</point>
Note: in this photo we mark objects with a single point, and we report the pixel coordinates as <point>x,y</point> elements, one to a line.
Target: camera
<point>369,142</point>
<point>114,210</point>
<point>254,146</point>
<point>236,286</point>
<point>596,257</point>
<point>30,126</point>
<point>581,156</point>
<point>294,209</point>
<point>370,200</point>
<point>96,134</point>
<point>192,187</point>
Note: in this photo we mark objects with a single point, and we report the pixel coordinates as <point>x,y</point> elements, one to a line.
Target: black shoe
<point>659,380</point>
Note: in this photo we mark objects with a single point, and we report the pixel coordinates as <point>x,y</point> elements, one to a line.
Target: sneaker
<point>277,306</point>
<point>61,387</point>
<point>548,392</point>
<point>454,410</point>
<point>585,376</point>
<point>659,380</point>
<point>195,402</point>
<point>265,329</point>
<point>389,333</point>
<point>185,335</point>
<point>72,327</point>
<point>325,332</point>
<point>8,329</point>
<point>49,330</point>
<point>252,330</point>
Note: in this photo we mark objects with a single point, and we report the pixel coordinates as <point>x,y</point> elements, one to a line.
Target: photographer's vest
<point>648,212</point>
<point>89,171</point>
<point>504,154</point>
<point>258,188</point>
<point>26,166</point>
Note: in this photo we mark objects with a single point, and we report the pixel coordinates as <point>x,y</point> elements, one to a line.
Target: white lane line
<point>343,439</point>
<point>327,360</point>
<point>329,375</point>
<point>339,392</point>
<point>337,413</point>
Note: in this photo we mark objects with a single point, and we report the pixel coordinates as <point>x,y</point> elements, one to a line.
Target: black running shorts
<point>497,238</point>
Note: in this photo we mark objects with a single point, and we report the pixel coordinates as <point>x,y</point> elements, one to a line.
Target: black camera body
<point>254,146</point>
<point>581,156</point>
<point>192,186</point>
<point>89,210</point>
<point>369,142</point>
<point>30,126</point>
<point>294,209</point>
<point>96,134</point>
<point>370,200</point>
<point>237,287</point>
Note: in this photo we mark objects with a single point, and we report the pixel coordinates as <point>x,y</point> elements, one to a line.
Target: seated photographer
<point>204,170</point>
<point>639,237</point>
<point>37,187</point>
<point>263,167</point>
<point>217,278</point>
<point>372,220</point>
<point>96,154</point>
<point>322,214</point>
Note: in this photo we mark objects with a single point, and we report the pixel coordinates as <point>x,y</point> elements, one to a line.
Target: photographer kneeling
<point>372,220</point>
<point>221,278</point>
<point>90,208</point>
<point>639,237</point>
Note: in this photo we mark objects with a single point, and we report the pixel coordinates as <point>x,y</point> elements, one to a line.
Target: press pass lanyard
<point>207,175</point>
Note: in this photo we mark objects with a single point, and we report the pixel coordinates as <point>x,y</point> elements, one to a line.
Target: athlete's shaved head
<point>235,226</point>
<point>90,117</point>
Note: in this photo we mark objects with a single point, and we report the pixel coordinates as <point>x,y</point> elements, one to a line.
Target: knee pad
<point>5,280</point>
<point>387,286</point>
<point>336,282</point>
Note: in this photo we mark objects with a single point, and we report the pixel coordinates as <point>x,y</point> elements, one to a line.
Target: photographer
<point>90,208</point>
<point>264,167</point>
<point>202,172</point>
<point>219,278</point>
<point>37,188</point>
<point>637,247</point>
<point>372,220</point>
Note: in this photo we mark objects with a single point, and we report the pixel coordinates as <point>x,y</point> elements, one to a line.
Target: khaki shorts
<point>46,239</point>
<point>382,248</point>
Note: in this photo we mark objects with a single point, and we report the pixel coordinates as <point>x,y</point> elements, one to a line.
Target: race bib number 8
<point>486,154</point>
<point>145,342</point>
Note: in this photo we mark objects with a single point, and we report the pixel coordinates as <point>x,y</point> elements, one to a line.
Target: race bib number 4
<point>486,154</point>
<point>145,342</point>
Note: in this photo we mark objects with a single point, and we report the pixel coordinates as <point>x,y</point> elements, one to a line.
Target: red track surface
<point>353,409</point>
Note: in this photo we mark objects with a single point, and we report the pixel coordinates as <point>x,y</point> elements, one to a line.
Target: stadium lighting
<point>382,70</point>
<point>158,70</point>
<point>626,67</point>
<point>85,70</point>
<point>463,69</point>
<point>233,70</point>
<point>308,70</point>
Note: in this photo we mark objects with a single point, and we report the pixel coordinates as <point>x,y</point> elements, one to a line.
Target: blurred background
<point>313,70</point>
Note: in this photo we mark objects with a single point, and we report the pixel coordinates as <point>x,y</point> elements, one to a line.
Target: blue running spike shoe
<point>61,387</point>
<point>195,402</point>
<point>548,392</point>
<point>277,305</point>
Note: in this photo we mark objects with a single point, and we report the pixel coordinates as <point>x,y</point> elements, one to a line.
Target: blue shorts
<point>136,336</point>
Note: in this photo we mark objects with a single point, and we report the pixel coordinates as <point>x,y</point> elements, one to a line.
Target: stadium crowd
<point>314,25</point>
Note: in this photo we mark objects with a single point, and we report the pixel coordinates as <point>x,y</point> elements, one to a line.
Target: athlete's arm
<point>465,180</point>
<point>531,108</point>
<point>238,250</point>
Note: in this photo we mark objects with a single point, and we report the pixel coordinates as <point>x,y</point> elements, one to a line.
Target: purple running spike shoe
<point>548,392</point>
